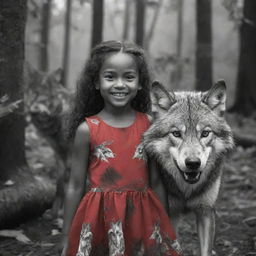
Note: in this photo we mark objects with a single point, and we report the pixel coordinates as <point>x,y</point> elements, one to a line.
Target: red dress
<point>120,215</point>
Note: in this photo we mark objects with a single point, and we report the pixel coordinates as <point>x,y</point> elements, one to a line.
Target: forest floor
<point>235,210</point>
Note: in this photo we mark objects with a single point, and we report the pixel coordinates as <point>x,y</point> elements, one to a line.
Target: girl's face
<point>118,80</point>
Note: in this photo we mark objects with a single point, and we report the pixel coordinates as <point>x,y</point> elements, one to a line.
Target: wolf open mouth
<point>190,177</point>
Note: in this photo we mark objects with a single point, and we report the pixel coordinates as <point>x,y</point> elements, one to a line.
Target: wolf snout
<point>193,163</point>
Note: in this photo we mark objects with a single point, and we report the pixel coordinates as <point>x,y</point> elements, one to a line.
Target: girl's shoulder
<point>83,127</point>
<point>83,130</point>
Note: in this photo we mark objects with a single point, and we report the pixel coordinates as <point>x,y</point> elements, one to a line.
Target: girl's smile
<point>118,83</point>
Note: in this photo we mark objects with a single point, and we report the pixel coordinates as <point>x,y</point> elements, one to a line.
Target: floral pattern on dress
<point>156,234</point>
<point>95,121</point>
<point>176,246</point>
<point>140,153</point>
<point>85,245</point>
<point>102,152</point>
<point>116,239</point>
<point>163,242</point>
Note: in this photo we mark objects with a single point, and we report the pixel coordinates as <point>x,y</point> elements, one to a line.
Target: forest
<point>43,48</point>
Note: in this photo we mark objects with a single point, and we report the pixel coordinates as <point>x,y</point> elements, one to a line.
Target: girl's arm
<point>156,183</point>
<point>77,180</point>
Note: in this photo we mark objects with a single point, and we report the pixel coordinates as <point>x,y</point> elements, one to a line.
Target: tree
<point>127,13</point>
<point>97,22</point>
<point>140,16</point>
<point>245,97</point>
<point>179,42</point>
<point>66,48</point>
<point>21,194</point>
<point>149,36</point>
<point>45,32</point>
<point>203,45</point>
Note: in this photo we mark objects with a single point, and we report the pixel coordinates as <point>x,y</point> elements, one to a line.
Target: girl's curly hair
<point>88,100</point>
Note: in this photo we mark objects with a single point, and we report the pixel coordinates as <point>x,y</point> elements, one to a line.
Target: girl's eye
<point>130,78</point>
<point>176,134</point>
<point>205,134</point>
<point>109,77</point>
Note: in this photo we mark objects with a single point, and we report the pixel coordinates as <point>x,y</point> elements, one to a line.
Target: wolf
<point>46,106</point>
<point>189,139</point>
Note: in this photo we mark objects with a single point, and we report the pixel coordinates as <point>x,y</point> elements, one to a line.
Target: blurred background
<point>190,45</point>
<point>168,33</point>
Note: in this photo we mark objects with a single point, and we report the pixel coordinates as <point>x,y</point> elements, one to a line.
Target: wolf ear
<point>215,98</point>
<point>161,99</point>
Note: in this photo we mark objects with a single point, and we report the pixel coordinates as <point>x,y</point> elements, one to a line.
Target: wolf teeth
<point>187,177</point>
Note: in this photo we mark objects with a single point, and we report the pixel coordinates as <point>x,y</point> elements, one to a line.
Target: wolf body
<point>189,139</point>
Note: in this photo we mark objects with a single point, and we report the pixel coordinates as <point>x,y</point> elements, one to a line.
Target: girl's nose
<point>120,83</point>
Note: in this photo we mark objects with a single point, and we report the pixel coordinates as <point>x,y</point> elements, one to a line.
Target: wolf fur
<point>189,139</point>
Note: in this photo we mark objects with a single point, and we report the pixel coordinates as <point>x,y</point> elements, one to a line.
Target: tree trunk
<point>179,42</point>
<point>45,31</point>
<point>66,49</point>
<point>140,15</point>
<point>97,22</point>
<point>150,33</point>
<point>245,98</point>
<point>18,188</point>
<point>29,196</point>
<point>203,45</point>
<point>127,13</point>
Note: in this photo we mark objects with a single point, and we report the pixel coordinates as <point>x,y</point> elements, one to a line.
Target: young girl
<point>120,214</point>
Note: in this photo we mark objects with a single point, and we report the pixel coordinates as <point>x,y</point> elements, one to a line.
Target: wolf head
<point>189,134</point>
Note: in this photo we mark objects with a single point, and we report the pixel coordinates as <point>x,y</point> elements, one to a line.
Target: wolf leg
<point>206,229</point>
<point>175,220</point>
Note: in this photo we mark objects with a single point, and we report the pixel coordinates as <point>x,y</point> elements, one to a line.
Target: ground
<point>235,210</point>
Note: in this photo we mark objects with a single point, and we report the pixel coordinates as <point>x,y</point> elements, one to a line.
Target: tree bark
<point>28,197</point>
<point>97,22</point>
<point>18,188</point>
<point>150,33</point>
<point>203,45</point>
<point>45,32</point>
<point>179,42</point>
<point>66,49</point>
<point>126,20</point>
<point>245,97</point>
<point>12,15</point>
<point>140,17</point>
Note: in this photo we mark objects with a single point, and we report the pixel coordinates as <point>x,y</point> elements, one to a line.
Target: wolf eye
<point>176,134</point>
<point>205,134</point>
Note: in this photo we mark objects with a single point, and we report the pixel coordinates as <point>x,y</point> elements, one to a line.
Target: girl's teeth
<point>119,94</point>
